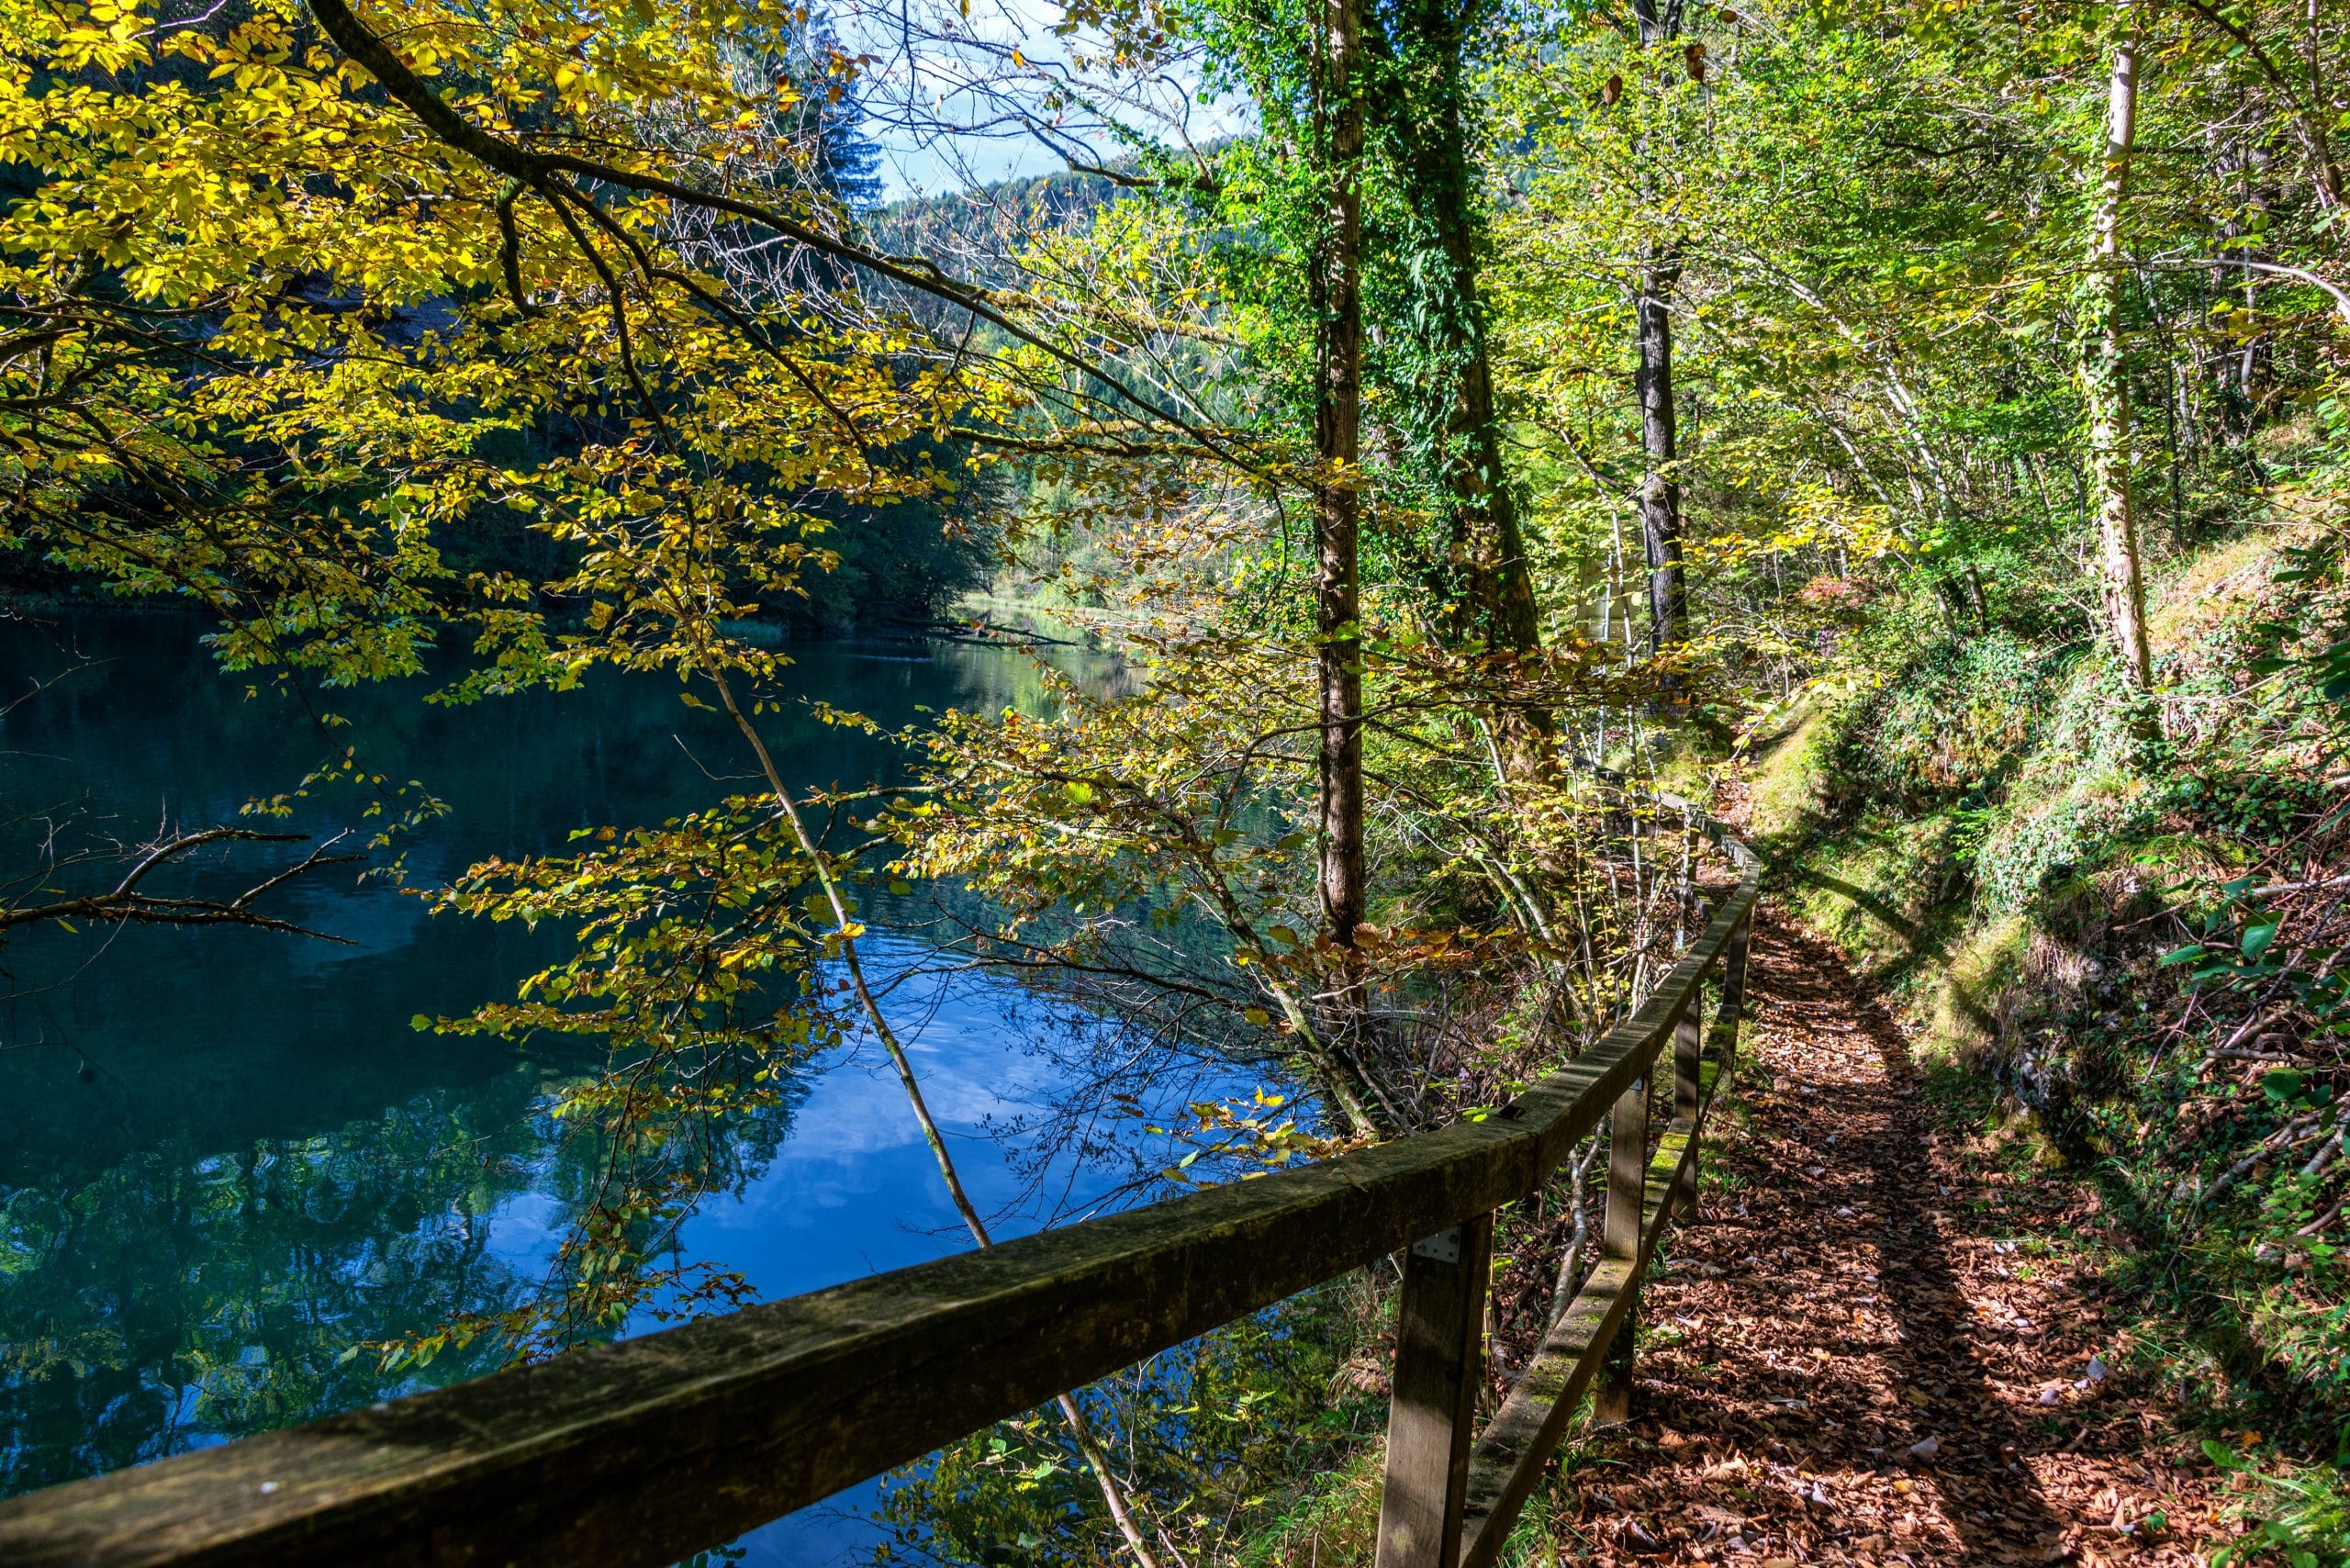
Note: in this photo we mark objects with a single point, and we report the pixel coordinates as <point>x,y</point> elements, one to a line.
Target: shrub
<point>1945,727</point>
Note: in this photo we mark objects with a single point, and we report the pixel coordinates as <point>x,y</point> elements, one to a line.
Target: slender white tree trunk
<point>2104,388</point>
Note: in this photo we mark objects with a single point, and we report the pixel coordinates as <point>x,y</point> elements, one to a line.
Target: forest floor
<point>1887,1341</point>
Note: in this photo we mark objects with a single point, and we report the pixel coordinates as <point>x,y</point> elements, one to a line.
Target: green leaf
<point>2283,1085</point>
<point>2186,955</point>
<point>2257,937</point>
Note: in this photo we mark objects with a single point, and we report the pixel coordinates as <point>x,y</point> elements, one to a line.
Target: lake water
<point>226,1157</point>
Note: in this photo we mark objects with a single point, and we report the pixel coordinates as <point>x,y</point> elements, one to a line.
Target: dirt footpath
<point>1874,1347</point>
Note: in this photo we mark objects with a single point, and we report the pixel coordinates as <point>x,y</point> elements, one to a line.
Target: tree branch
<point>124,904</point>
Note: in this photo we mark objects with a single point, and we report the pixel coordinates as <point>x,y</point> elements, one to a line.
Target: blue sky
<point>956,60</point>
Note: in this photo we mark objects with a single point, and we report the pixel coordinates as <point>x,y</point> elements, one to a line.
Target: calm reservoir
<point>225,1155</point>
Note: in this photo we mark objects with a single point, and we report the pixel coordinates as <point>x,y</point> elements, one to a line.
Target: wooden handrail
<point>646,1451</point>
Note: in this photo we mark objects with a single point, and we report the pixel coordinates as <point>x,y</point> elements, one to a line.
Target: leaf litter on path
<point>1860,1373</point>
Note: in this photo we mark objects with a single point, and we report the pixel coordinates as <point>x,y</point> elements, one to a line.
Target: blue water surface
<point>225,1155</point>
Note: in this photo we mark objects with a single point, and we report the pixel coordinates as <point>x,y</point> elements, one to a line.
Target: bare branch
<point>124,904</point>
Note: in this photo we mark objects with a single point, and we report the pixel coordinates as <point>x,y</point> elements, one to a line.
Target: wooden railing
<point>647,1451</point>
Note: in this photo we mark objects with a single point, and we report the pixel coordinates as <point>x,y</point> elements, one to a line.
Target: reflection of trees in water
<point>155,1295</point>
<point>177,1300</point>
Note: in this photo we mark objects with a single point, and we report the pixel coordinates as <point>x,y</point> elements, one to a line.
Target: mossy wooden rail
<point>646,1451</point>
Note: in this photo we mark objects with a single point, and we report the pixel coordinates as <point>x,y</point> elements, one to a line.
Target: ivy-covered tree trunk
<point>2105,390</point>
<point>1454,427</point>
<point>1497,601</point>
<point>1337,296</point>
<point>1661,440</point>
<point>1451,428</point>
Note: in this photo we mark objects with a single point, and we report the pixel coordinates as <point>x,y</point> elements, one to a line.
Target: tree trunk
<point>1493,601</point>
<point>1497,607</point>
<point>1660,434</point>
<point>1486,581</point>
<point>2323,171</point>
<point>1337,297</point>
<point>1659,439</point>
<point>2105,390</point>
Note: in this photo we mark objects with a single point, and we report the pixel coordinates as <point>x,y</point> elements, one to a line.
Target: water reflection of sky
<point>855,1189</point>
<point>225,1155</point>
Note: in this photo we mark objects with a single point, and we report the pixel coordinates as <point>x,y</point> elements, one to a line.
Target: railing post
<point>1688,1054</point>
<point>1432,1419</point>
<point>1628,1163</point>
<point>1734,969</point>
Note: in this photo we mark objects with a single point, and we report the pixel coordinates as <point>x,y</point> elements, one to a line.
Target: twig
<point>2275,269</point>
<point>2297,887</point>
<point>2325,1153</point>
<point>2282,1138</point>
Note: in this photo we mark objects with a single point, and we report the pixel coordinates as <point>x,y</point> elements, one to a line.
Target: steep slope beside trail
<point>1873,1348</point>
